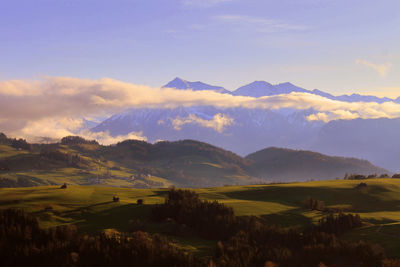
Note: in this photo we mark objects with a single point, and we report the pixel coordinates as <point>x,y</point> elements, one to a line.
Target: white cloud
<point>57,128</point>
<point>259,24</point>
<point>333,115</point>
<point>382,69</point>
<point>54,106</point>
<point>218,122</point>
<point>106,139</point>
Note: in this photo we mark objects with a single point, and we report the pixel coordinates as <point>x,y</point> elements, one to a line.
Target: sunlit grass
<point>92,208</point>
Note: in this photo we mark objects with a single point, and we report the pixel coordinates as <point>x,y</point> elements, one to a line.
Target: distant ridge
<point>280,163</point>
<point>263,88</point>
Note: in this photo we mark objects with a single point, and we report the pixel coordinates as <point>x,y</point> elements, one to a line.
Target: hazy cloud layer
<point>55,106</point>
<point>218,122</point>
<point>57,128</point>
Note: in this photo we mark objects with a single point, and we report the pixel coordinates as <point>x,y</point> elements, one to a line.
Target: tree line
<point>24,243</point>
<point>245,241</point>
<point>241,241</point>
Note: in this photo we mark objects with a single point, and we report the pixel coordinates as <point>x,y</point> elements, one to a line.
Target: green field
<point>92,209</point>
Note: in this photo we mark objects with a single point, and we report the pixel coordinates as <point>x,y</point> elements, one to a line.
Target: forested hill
<point>292,165</point>
<point>186,163</point>
<point>130,163</point>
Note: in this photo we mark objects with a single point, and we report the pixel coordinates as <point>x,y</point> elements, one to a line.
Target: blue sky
<point>334,45</point>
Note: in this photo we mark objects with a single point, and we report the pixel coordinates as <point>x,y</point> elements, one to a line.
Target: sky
<point>339,46</point>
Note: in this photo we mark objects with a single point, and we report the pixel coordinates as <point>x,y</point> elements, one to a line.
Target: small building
<point>115,198</point>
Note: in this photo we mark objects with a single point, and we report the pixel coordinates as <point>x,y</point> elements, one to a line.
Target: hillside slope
<point>139,164</point>
<point>130,163</point>
<point>276,164</point>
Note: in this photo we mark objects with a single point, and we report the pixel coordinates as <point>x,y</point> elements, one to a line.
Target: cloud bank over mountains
<point>55,106</point>
<point>218,122</point>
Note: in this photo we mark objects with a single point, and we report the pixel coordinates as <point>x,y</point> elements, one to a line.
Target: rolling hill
<point>92,209</point>
<point>130,163</point>
<point>139,164</point>
<point>278,164</point>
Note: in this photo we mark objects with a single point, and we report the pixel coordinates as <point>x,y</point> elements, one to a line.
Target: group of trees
<point>314,204</point>
<point>241,241</point>
<point>185,207</point>
<point>24,243</point>
<point>355,176</point>
<point>69,158</point>
<point>77,140</point>
<point>4,140</point>
<point>14,142</point>
<point>245,241</point>
<point>21,144</point>
<point>338,224</point>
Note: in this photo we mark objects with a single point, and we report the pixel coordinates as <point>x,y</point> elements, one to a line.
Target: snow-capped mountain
<point>244,130</point>
<point>179,83</point>
<point>262,88</point>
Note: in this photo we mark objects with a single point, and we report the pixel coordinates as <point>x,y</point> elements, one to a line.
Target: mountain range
<point>244,130</point>
<point>263,88</point>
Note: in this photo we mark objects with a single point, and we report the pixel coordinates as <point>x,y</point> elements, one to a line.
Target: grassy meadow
<point>91,207</point>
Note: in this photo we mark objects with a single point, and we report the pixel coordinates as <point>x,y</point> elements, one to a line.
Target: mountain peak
<point>179,83</point>
<point>262,88</point>
<point>178,79</point>
<point>256,89</point>
<point>286,84</point>
<point>261,83</point>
